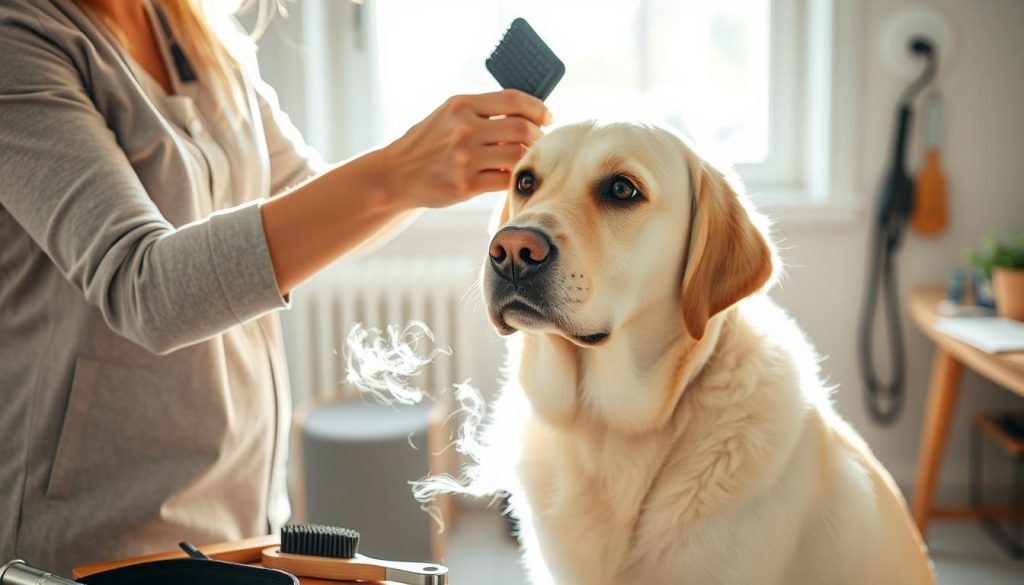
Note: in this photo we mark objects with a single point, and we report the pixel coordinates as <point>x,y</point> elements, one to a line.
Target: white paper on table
<point>990,334</point>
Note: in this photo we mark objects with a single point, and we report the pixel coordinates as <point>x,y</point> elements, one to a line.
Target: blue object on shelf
<point>983,295</point>
<point>956,286</point>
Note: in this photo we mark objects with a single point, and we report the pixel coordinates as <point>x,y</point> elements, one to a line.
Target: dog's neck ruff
<point>663,379</point>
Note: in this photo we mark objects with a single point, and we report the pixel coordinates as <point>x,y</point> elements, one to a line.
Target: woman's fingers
<point>488,181</point>
<point>465,147</point>
<point>508,102</point>
<point>511,130</point>
<point>500,157</point>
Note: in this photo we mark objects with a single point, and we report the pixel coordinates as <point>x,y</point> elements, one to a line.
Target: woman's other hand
<point>466,147</point>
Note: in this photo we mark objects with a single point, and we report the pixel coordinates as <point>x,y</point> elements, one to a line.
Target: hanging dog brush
<point>329,552</point>
<point>931,214</point>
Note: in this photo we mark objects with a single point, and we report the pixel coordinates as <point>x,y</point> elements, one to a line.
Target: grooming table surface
<point>243,551</point>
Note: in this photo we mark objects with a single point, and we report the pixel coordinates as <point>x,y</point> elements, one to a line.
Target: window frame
<point>785,126</point>
<point>809,179</point>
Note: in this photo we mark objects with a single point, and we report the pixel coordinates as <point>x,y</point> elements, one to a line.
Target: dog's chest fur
<point>608,506</point>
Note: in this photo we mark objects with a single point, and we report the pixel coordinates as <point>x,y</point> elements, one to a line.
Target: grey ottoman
<point>357,464</point>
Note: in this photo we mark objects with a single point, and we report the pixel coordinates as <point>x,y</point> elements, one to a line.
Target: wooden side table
<point>951,357</point>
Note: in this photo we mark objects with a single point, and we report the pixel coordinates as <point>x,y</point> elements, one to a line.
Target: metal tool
<point>18,573</point>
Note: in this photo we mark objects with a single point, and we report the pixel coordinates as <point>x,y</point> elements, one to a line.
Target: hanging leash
<point>895,205</point>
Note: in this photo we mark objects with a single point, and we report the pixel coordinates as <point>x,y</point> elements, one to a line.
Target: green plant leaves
<point>992,253</point>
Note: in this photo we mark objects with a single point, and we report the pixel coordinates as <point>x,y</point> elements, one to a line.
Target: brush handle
<point>359,568</point>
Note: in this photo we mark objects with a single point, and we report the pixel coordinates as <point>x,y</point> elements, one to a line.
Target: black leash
<point>895,203</point>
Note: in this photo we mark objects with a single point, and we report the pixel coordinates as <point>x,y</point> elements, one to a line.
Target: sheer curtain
<point>318,58</point>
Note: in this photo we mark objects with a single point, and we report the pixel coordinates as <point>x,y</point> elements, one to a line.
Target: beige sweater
<point>143,390</point>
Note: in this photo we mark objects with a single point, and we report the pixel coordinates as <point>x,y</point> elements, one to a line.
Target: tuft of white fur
<point>491,438</point>
<point>381,362</point>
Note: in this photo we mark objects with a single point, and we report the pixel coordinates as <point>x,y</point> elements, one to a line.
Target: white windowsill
<point>807,211</point>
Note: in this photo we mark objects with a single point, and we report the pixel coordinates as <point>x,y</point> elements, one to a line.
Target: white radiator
<point>378,291</point>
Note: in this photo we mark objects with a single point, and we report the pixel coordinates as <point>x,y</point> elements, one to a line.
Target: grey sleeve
<point>66,181</point>
<point>291,159</point>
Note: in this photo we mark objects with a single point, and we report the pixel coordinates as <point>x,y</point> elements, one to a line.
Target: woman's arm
<point>67,183</point>
<point>465,147</point>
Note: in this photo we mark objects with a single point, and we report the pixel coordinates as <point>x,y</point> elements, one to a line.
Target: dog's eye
<point>622,189</point>
<point>526,183</point>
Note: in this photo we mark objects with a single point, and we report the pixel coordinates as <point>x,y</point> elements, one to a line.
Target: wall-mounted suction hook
<point>922,47</point>
<point>903,26</point>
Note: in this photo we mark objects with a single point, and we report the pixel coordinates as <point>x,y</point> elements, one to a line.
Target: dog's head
<point>604,222</point>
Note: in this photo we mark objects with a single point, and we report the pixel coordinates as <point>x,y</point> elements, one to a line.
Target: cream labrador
<point>665,421</point>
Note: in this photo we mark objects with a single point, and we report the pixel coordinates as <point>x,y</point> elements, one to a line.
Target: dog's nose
<point>520,253</point>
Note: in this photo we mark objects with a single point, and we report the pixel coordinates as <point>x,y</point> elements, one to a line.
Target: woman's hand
<point>465,147</point>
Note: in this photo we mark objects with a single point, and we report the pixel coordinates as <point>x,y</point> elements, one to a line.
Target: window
<point>771,86</point>
<point>722,73</point>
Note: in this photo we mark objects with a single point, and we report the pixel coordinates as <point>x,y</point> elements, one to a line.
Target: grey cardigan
<point>143,390</point>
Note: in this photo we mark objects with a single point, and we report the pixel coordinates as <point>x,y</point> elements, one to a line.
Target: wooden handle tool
<point>930,214</point>
<point>358,568</point>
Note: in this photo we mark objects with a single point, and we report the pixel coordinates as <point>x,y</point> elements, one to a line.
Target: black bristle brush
<point>331,552</point>
<point>319,541</point>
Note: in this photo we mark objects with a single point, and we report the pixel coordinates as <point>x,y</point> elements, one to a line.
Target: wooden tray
<point>243,551</point>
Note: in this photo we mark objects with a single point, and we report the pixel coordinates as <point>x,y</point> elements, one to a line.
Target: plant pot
<point>1008,286</point>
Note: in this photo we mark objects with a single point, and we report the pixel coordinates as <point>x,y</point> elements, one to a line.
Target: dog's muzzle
<point>520,275</point>
<point>520,254</point>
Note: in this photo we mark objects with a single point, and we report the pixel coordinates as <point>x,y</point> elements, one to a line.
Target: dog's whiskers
<point>472,298</point>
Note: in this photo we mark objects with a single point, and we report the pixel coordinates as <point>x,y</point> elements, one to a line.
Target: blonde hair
<point>208,35</point>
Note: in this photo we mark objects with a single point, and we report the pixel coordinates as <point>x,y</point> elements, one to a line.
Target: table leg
<point>943,389</point>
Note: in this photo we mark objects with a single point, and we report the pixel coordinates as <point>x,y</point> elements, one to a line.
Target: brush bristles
<point>319,541</point>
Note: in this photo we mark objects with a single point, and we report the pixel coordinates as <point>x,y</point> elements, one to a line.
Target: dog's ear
<point>728,256</point>
<point>501,215</point>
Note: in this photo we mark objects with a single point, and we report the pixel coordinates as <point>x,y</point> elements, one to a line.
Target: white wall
<point>983,87</point>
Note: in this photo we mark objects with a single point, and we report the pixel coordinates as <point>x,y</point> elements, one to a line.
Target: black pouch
<point>189,572</point>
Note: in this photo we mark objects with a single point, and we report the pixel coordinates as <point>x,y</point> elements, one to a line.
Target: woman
<point>142,375</point>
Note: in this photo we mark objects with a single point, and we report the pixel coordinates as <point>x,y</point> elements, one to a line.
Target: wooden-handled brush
<point>931,212</point>
<point>328,552</point>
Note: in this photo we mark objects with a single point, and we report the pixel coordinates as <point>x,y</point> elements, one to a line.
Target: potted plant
<point>1004,264</point>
